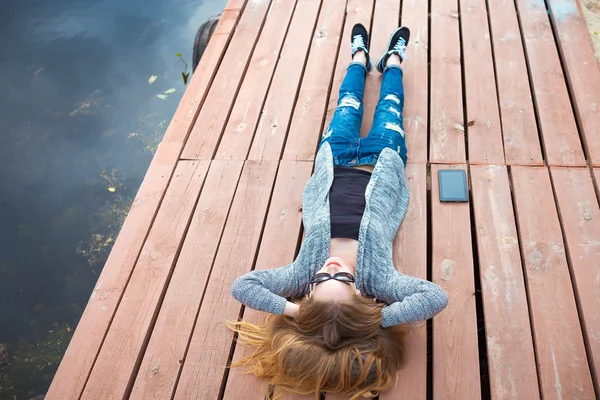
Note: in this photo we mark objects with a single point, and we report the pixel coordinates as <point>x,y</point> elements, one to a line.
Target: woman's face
<point>333,289</point>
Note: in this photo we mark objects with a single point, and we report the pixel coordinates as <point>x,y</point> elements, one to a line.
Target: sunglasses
<point>340,276</point>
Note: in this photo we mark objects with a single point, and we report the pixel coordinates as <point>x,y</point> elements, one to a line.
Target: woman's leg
<point>388,127</point>
<point>345,125</point>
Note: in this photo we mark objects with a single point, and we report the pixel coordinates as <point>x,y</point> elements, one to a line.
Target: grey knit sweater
<point>408,299</point>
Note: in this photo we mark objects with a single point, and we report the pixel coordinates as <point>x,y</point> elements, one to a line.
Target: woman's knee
<point>392,128</point>
<point>349,100</point>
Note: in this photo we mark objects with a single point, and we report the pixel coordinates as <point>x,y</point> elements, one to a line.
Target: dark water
<point>79,122</point>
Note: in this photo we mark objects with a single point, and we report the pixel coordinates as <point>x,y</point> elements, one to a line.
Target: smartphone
<point>453,185</point>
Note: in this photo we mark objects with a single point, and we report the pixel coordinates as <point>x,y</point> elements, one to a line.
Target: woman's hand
<point>291,309</point>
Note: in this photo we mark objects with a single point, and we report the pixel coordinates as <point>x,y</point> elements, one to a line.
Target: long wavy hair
<point>331,346</point>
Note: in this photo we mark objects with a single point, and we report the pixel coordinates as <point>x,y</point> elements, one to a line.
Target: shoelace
<point>358,42</point>
<point>400,47</point>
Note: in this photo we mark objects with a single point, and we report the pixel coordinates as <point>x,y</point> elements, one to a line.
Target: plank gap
<point>595,173</point>
<point>211,79</point>
<point>242,307</point>
<point>429,99</point>
<point>231,352</point>
<point>523,266</point>
<point>370,28</point>
<point>331,82</point>
<point>298,89</point>
<point>561,59</point>
<point>487,13</point>
<point>242,77</point>
<point>400,13</point>
<point>205,287</point>
<point>583,77</point>
<point>142,352</point>
<point>268,90</point>
<point>536,113</point>
<point>463,80</point>
<point>484,380</point>
<point>571,269</point>
<point>429,386</point>
<point>312,106</point>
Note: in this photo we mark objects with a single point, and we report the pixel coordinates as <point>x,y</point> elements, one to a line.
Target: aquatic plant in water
<point>25,363</point>
<point>184,74</point>
<point>106,222</point>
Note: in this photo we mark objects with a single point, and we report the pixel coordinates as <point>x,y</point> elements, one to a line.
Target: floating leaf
<point>178,55</point>
<point>169,91</point>
<point>185,77</point>
<point>162,96</point>
<point>152,79</point>
<point>471,123</point>
<point>112,189</point>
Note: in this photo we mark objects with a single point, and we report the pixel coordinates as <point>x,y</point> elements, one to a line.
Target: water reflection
<point>79,121</point>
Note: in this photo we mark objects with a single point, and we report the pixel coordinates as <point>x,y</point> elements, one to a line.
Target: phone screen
<point>453,185</point>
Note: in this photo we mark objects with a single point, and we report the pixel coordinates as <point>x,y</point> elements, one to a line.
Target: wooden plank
<point>275,117</point>
<point>235,5</point>
<point>134,319</point>
<point>597,181</point>
<point>562,363</point>
<point>195,94</point>
<point>160,366</point>
<point>581,69</point>
<point>511,360</point>
<point>357,11</point>
<point>579,213</point>
<point>386,17</point>
<point>211,120</point>
<point>415,78</point>
<point>447,141</point>
<point>240,127</point>
<point>410,257</point>
<point>521,141</point>
<point>557,123</point>
<point>87,339</point>
<point>483,128</point>
<point>277,248</point>
<point>210,343</point>
<point>307,120</point>
<point>454,329</point>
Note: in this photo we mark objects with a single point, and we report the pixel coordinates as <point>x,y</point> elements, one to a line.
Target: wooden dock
<point>507,89</point>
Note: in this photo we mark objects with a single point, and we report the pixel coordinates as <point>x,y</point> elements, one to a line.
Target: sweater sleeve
<point>411,299</point>
<point>266,290</point>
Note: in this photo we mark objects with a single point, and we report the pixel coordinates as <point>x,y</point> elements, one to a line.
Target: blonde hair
<point>336,347</point>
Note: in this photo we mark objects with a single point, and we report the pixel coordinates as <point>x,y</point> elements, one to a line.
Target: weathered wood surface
<point>455,329</point>
<point>219,200</point>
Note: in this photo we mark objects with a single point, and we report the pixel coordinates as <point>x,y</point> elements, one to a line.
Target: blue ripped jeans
<point>343,133</point>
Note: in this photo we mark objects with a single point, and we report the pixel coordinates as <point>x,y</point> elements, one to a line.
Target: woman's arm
<point>266,290</point>
<point>291,309</point>
<point>410,300</point>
